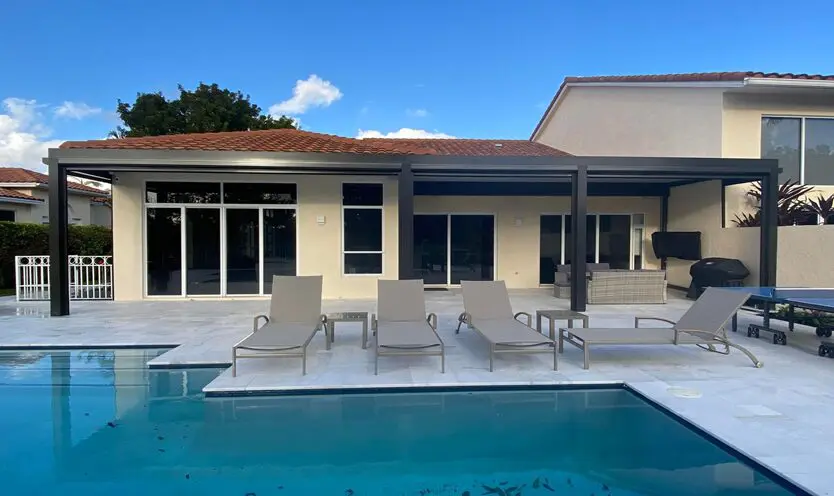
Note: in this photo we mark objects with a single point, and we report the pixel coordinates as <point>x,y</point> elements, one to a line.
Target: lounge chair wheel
<point>828,333</point>
<point>820,332</point>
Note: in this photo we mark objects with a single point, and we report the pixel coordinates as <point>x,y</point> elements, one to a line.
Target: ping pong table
<point>817,299</point>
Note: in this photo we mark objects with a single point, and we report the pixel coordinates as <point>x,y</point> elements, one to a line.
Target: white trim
<point>222,208</point>
<point>791,83</point>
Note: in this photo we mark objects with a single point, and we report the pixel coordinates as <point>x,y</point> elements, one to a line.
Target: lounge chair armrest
<point>659,319</point>
<point>373,322</point>
<point>432,320</point>
<point>463,318</point>
<point>257,318</point>
<point>529,318</point>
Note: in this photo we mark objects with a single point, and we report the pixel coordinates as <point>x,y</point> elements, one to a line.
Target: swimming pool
<point>99,422</point>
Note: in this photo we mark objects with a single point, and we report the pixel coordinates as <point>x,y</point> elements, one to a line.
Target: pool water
<point>99,422</point>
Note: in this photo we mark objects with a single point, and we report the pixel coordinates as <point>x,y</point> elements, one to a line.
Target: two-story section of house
<point>789,117</point>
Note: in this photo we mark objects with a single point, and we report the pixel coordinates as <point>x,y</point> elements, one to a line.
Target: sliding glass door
<point>453,248</point>
<point>472,247</point>
<point>616,239</point>
<point>431,243</point>
<point>233,247</point>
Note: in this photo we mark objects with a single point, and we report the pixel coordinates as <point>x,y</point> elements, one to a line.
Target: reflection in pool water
<point>99,422</point>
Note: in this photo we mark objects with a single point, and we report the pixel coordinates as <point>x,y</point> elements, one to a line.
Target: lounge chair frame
<point>512,348</point>
<point>298,351</point>
<point>705,340</point>
<point>427,350</point>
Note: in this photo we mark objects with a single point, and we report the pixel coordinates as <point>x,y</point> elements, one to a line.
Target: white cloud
<point>417,112</point>
<point>404,133</point>
<point>75,110</point>
<point>23,138</point>
<point>311,92</point>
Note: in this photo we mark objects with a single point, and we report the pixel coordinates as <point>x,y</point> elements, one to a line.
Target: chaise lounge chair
<point>294,318</point>
<point>488,311</point>
<point>704,325</point>
<point>402,327</point>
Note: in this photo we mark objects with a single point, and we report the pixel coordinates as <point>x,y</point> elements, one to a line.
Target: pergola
<point>579,177</point>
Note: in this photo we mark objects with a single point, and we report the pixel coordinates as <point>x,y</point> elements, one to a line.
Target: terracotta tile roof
<point>16,195</point>
<point>291,140</point>
<point>20,175</point>
<point>476,147</point>
<point>691,77</point>
<point>696,77</point>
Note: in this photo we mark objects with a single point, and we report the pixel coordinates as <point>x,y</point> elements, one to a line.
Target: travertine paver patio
<point>779,414</point>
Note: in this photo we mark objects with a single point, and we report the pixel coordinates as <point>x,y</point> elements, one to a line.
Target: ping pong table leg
<point>734,325</point>
<point>790,317</point>
<point>766,316</point>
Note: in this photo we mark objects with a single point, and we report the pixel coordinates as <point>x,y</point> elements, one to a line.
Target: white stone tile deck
<point>779,415</point>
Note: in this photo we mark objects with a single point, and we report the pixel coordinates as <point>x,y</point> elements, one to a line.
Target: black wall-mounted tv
<point>683,245</point>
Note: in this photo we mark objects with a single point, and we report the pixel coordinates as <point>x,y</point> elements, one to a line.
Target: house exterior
<point>24,198</point>
<point>788,117</point>
<point>215,215</point>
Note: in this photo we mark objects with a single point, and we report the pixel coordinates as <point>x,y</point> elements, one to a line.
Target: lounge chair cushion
<point>295,299</point>
<point>406,335</point>
<point>509,331</point>
<point>486,300</point>
<point>274,336</point>
<point>401,301</point>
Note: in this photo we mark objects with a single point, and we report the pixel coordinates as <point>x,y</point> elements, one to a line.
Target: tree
<point>206,109</point>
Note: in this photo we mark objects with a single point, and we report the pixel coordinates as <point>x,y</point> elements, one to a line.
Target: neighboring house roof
<point>12,175</point>
<point>13,195</point>
<point>292,140</point>
<point>739,77</point>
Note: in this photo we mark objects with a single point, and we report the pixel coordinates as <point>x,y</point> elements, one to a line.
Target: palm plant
<point>791,207</point>
<point>824,207</point>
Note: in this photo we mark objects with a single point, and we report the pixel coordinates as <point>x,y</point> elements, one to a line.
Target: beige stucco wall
<point>100,215</point>
<point>22,211</point>
<point>79,207</point>
<point>517,246</point>
<point>319,246</point>
<point>636,121</point>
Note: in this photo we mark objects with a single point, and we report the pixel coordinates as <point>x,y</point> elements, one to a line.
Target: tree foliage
<point>206,109</point>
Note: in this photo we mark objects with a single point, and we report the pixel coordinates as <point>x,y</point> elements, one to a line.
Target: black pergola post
<point>579,227</point>
<point>58,248</point>
<point>405,214</point>
<point>769,229</point>
<point>664,220</point>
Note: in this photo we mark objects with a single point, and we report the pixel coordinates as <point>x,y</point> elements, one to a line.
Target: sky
<point>462,68</point>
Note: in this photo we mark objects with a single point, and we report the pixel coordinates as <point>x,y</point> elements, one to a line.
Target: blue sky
<point>466,68</point>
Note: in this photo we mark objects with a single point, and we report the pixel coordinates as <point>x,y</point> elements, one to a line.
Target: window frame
<point>13,212</point>
<point>802,133</point>
<point>343,209</point>
<point>222,207</point>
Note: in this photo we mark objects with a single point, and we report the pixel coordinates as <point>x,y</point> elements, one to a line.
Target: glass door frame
<point>448,216</point>
<point>181,207</point>
<point>224,243</point>
<point>564,248</point>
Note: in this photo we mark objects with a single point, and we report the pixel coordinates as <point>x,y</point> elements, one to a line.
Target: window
<point>159,192</point>
<point>362,228</point>
<point>263,193</point>
<point>7,215</point>
<point>804,147</point>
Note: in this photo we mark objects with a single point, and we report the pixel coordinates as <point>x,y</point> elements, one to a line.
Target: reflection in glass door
<point>615,240</point>
<point>431,248</point>
<point>279,244</point>
<point>243,246</point>
<point>202,251</point>
<point>472,248</point>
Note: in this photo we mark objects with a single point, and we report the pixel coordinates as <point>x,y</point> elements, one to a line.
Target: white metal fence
<point>90,277</point>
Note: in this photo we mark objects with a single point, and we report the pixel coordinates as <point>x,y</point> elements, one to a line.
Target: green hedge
<point>33,239</point>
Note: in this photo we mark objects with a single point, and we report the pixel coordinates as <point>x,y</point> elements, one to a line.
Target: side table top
<point>561,314</point>
<point>347,316</point>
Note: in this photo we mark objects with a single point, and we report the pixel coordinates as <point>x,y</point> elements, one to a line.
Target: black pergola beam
<point>579,227</point>
<point>405,214</point>
<point>769,230</point>
<point>59,298</point>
